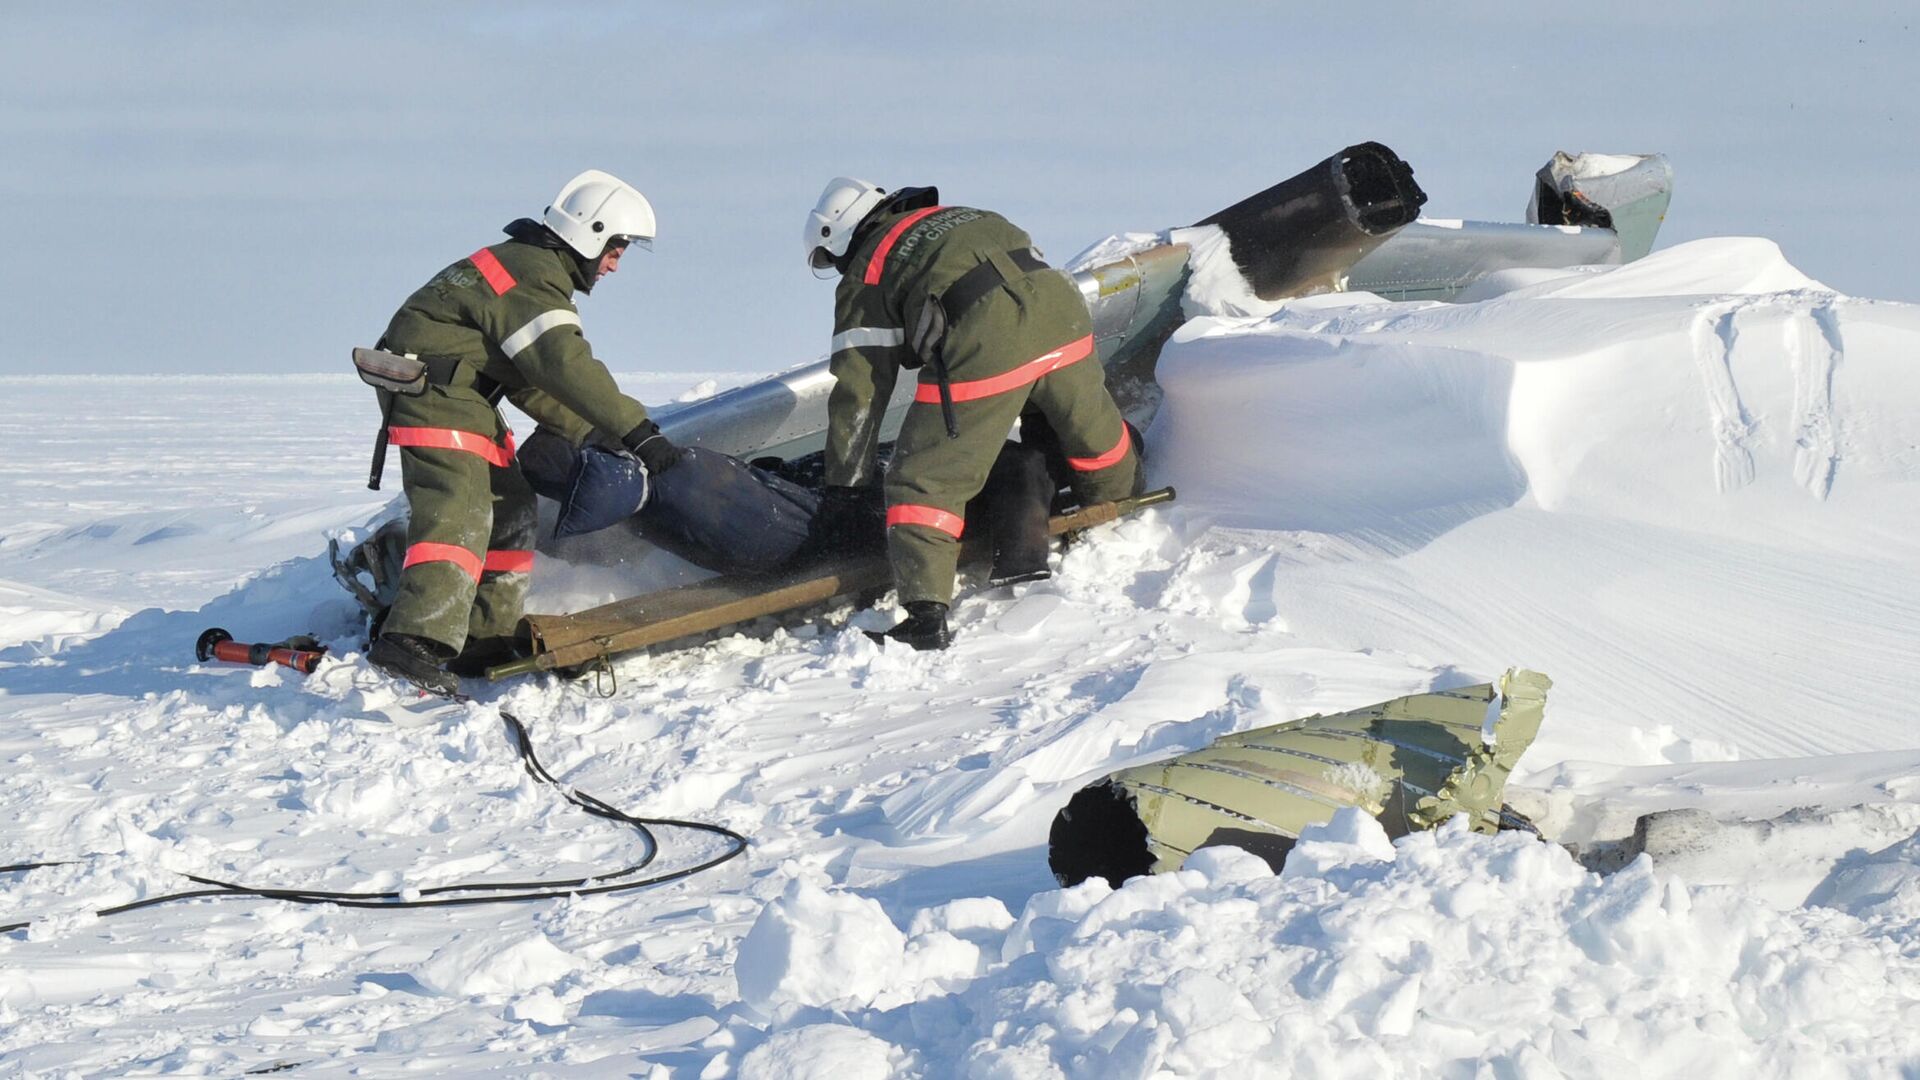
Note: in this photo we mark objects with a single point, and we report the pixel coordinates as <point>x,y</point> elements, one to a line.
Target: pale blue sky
<point>255,186</point>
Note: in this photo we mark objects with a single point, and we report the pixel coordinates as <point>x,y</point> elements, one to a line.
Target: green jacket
<point>507,311</point>
<point>890,274</point>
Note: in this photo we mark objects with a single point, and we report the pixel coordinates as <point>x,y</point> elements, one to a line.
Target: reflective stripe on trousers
<point>499,455</point>
<point>496,562</point>
<point>931,516</point>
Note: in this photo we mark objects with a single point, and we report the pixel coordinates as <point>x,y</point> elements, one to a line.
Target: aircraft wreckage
<point>1410,764</point>
<point>1350,223</point>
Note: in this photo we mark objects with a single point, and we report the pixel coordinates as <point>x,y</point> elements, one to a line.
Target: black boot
<point>924,628</point>
<point>415,659</point>
<point>483,653</point>
<point>1015,503</point>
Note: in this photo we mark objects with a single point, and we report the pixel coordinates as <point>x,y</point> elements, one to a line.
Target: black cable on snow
<point>498,892</point>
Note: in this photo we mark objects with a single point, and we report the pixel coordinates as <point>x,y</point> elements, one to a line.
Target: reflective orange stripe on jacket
<point>489,266</point>
<point>1071,353</point>
<point>931,516</point>
<point>433,438</point>
<point>886,242</point>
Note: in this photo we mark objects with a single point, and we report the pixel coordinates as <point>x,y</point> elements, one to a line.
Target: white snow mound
<point>1459,948</point>
<point>818,947</point>
<point>824,1052</point>
<point>482,963</point>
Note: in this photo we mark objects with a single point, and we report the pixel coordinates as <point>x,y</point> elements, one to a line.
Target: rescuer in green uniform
<point>499,323</point>
<point>960,295</point>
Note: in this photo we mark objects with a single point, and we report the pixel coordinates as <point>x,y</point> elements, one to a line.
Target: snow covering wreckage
<point>1349,223</point>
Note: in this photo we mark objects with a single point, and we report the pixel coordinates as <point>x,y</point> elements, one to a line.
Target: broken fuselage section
<point>1349,224</point>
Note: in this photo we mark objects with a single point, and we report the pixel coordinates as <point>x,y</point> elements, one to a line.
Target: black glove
<point>652,448</point>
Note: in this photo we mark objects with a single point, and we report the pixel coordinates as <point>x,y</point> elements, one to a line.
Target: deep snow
<point>1685,488</point>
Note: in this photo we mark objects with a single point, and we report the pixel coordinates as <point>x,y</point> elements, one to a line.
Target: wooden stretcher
<point>597,634</point>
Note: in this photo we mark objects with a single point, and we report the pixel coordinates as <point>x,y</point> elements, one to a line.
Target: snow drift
<point>1685,488</point>
<point>1421,957</point>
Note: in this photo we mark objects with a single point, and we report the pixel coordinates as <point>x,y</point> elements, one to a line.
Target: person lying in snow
<point>711,509</point>
<point>733,517</point>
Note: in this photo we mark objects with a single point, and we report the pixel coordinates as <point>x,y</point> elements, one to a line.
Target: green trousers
<point>1028,346</point>
<point>471,523</point>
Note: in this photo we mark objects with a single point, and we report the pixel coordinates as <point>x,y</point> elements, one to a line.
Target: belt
<point>929,336</point>
<point>989,275</point>
<point>443,370</point>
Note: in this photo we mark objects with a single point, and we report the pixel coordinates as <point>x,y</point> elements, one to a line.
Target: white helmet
<point>830,226</point>
<point>594,208</point>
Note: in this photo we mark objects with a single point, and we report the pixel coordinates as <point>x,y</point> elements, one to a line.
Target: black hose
<point>517,891</point>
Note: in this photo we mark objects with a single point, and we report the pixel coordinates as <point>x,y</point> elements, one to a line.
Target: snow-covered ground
<point>1688,489</point>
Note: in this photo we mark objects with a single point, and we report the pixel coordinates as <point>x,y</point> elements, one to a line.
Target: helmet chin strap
<point>583,276</point>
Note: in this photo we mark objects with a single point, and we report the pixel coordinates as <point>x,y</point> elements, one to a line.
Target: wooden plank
<point>652,618</point>
<point>636,623</point>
